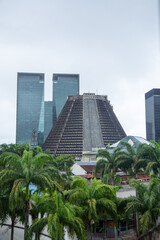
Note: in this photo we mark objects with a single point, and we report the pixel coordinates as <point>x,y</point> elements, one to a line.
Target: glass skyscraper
<point>64,85</point>
<point>152,106</point>
<point>49,117</point>
<point>35,117</point>
<point>30,107</point>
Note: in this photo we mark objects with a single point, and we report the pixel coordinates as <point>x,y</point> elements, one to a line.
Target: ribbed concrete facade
<point>86,122</point>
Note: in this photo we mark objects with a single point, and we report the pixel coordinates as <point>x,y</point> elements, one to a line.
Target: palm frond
<point>79,182</point>
<point>15,193</point>
<point>37,226</point>
<point>133,205</point>
<point>53,226</point>
<point>92,213</point>
<point>146,221</point>
<point>107,206</point>
<point>8,175</point>
<point>129,148</point>
<point>101,165</point>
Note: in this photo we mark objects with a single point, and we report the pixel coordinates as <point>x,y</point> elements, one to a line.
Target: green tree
<point>38,209</point>
<point>107,164</point>
<point>129,158</point>
<point>5,210</point>
<point>151,159</point>
<point>17,149</point>
<point>4,207</point>
<point>26,170</point>
<point>96,199</point>
<point>14,148</point>
<point>146,158</point>
<point>64,160</point>
<point>66,178</point>
<point>61,215</point>
<point>106,208</point>
<point>146,203</point>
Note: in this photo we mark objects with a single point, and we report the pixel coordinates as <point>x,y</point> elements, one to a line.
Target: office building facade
<point>35,117</point>
<point>49,117</point>
<point>64,85</point>
<point>152,109</point>
<point>30,107</point>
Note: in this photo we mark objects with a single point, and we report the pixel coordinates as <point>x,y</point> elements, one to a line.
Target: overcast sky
<point>112,44</point>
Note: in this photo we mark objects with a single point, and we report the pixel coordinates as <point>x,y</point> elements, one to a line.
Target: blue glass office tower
<point>35,117</point>
<point>152,106</point>
<point>64,85</point>
<point>30,107</point>
<point>49,117</point>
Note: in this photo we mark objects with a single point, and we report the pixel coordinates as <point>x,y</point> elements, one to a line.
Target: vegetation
<point>64,204</point>
<point>64,161</point>
<point>96,199</point>
<point>146,203</point>
<point>108,165</point>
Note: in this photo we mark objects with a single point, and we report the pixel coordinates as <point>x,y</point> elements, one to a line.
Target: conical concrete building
<point>86,122</point>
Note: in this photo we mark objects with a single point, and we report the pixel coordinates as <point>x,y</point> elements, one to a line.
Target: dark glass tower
<point>49,117</point>
<point>30,108</point>
<point>64,85</point>
<point>152,106</point>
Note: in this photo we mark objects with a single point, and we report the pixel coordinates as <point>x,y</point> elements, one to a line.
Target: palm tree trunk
<point>36,236</point>
<point>105,228</point>
<point>112,180</point>
<point>137,218</point>
<point>150,236</point>
<point>112,176</point>
<point>26,223</point>
<point>136,223</point>
<point>88,232</point>
<point>115,233</point>
<point>12,227</point>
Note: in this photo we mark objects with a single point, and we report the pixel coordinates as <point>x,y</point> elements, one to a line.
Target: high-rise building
<point>64,85</point>
<point>30,108</point>
<point>35,117</point>
<point>49,117</point>
<point>152,107</point>
<point>87,122</point>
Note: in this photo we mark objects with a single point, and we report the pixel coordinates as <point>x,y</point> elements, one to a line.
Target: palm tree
<point>64,161</point>
<point>36,211</point>
<point>4,207</point>
<point>17,149</point>
<point>130,158</point>
<point>6,212</point>
<point>152,162</point>
<point>148,159</point>
<point>60,215</point>
<point>23,171</point>
<point>66,178</point>
<point>146,203</point>
<point>96,199</point>
<point>107,164</point>
<point>106,208</point>
<point>14,148</point>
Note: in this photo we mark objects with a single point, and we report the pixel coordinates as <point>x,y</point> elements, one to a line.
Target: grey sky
<point>112,44</point>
